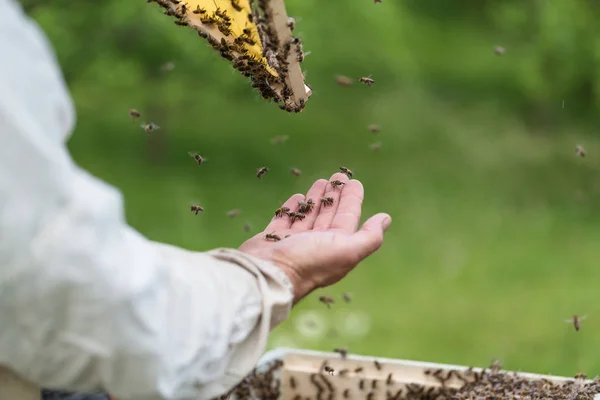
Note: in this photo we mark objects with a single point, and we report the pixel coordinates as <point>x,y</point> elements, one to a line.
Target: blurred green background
<point>495,217</point>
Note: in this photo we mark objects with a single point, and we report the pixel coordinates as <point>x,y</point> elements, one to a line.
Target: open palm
<point>323,247</point>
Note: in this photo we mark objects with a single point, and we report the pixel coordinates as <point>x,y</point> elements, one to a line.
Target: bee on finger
<point>261,172</point>
<point>149,128</point>
<point>367,80</point>
<point>296,216</point>
<point>281,211</point>
<point>327,201</point>
<point>304,207</point>
<point>341,351</point>
<point>272,237</point>
<point>133,113</point>
<point>199,159</point>
<point>328,301</point>
<point>196,209</point>
<point>337,183</point>
<point>346,171</point>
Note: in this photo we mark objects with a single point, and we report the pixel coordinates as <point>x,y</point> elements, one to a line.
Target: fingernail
<point>387,221</point>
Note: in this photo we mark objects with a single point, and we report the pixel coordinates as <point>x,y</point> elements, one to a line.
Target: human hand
<point>322,248</point>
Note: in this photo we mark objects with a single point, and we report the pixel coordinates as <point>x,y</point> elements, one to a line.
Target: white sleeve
<point>86,302</point>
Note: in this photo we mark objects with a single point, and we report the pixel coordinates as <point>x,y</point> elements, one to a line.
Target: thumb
<point>370,237</point>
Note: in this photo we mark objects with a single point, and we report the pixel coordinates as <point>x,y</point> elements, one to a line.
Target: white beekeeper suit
<point>86,302</point>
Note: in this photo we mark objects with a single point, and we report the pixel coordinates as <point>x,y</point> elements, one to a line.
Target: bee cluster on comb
<point>256,37</point>
<point>436,384</point>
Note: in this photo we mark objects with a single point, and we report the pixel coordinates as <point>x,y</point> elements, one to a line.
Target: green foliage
<point>496,224</point>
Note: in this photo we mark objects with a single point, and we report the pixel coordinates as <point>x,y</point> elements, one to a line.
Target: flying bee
<point>581,375</point>
<point>347,297</point>
<point>296,215</point>
<point>580,151</point>
<point>499,50</point>
<point>196,209</point>
<point>496,366</point>
<point>233,213</point>
<point>328,301</point>
<point>291,23</point>
<point>133,113</point>
<point>329,370</point>
<point>261,172</point>
<point>576,321</point>
<point>367,80</point>
<point>281,211</point>
<point>168,66</point>
<point>375,146</point>
<point>199,10</point>
<point>247,227</point>
<point>199,159</point>
<point>337,183</point>
<point>343,81</point>
<point>295,171</point>
<point>236,5</point>
<point>273,237</point>
<point>374,128</point>
<point>149,128</point>
<point>346,171</point>
<point>377,1</point>
<point>341,351</point>
<point>327,201</point>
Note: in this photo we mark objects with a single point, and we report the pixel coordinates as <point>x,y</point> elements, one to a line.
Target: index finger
<point>347,215</point>
<point>283,222</point>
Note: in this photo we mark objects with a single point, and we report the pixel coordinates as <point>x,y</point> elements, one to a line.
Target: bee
<point>261,172</point>
<point>292,382</point>
<point>169,66</point>
<point>287,236</point>
<point>342,352</point>
<point>329,370</point>
<point>580,151</point>
<point>576,321</point>
<point>374,384</point>
<point>304,207</point>
<point>180,22</point>
<point>149,128</point>
<point>199,159</point>
<point>199,10</point>
<point>291,23</point>
<point>233,213</point>
<point>336,183</point>
<point>236,5</point>
<point>377,1</point>
<point>377,365</point>
<point>361,384</point>
<point>496,366</point>
<point>196,209</point>
<point>367,80</point>
<point>327,201</point>
<point>328,301</point>
<point>358,370</point>
<point>183,7</point>
<point>295,171</point>
<point>273,237</point>
<point>581,375</point>
<point>370,395</point>
<point>133,113</point>
<point>374,128</point>
<point>343,81</point>
<point>225,30</point>
<point>281,211</point>
<point>389,379</point>
<point>346,393</point>
<point>347,297</point>
<point>343,372</point>
<point>296,215</point>
<point>499,50</point>
<point>375,146</point>
<point>346,171</point>
<point>247,227</point>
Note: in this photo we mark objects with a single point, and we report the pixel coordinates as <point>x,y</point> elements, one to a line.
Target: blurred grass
<point>496,224</point>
